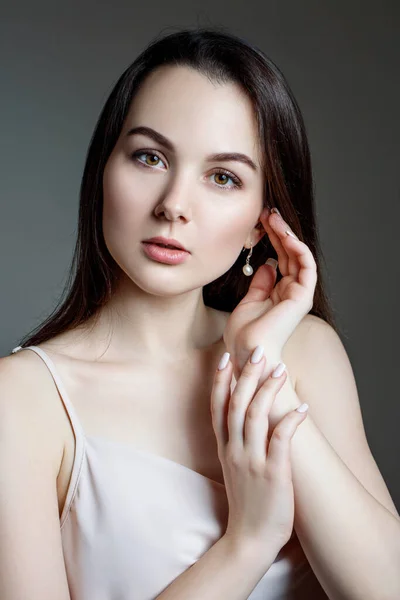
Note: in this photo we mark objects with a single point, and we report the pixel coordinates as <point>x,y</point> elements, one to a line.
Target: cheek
<point>219,230</point>
<point>222,244</point>
<point>227,236</point>
<point>123,204</point>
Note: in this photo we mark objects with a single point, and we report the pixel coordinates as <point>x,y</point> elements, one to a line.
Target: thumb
<point>262,283</point>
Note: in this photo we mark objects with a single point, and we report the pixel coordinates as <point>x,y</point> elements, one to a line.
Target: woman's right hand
<point>257,474</point>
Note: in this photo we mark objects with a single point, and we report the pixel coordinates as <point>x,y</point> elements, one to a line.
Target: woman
<point>125,471</point>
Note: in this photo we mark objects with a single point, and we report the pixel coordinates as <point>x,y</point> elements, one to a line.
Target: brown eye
<point>151,160</point>
<point>224,176</point>
<point>221,176</point>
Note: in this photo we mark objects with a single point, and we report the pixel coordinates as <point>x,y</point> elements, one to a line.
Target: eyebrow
<point>163,141</point>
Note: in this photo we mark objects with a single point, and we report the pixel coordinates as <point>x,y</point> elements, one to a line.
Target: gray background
<point>341,59</point>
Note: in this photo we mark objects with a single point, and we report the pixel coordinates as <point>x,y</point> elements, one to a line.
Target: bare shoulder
<point>294,348</point>
<point>305,332</point>
<point>308,322</point>
<point>28,410</point>
<point>31,555</point>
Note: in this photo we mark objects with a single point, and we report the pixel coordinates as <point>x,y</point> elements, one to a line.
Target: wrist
<point>248,553</point>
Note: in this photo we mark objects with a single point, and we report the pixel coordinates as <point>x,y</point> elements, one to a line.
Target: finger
<point>306,266</point>
<point>261,285</point>
<point>277,243</point>
<point>301,263</point>
<point>281,229</point>
<point>242,395</point>
<point>220,396</point>
<point>257,425</point>
<point>278,453</point>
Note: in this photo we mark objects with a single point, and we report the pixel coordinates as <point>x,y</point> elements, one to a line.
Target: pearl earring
<point>247,268</point>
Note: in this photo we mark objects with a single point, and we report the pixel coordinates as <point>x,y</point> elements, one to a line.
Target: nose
<point>176,204</point>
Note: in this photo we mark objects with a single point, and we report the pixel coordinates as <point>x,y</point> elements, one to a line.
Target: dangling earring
<point>247,268</point>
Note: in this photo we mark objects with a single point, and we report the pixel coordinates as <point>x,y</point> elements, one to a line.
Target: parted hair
<point>286,163</point>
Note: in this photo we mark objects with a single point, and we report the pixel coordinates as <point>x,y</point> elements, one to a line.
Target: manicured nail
<point>267,211</point>
<point>302,408</point>
<point>288,232</point>
<point>224,361</point>
<point>257,354</point>
<point>272,262</point>
<point>277,372</point>
<point>275,210</point>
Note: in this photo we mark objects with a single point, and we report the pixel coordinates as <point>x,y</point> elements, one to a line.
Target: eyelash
<point>236,181</point>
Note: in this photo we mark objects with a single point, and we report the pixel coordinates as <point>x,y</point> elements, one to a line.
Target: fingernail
<point>275,210</point>
<point>272,262</point>
<point>302,408</point>
<point>277,372</point>
<point>257,354</point>
<point>224,361</point>
<point>267,211</point>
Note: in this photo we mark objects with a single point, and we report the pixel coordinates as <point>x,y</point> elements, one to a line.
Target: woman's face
<point>177,191</point>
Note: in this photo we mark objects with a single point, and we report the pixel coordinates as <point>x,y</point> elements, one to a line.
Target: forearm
<point>351,541</point>
<point>220,573</point>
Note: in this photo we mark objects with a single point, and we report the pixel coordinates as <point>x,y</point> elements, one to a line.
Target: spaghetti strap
<point>76,426</point>
<point>60,386</point>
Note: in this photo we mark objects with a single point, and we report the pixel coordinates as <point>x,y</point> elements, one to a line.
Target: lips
<point>166,243</point>
<point>170,256</point>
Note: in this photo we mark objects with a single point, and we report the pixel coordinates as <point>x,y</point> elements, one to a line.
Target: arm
<point>351,541</point>
<point>31,557</point>
<point>222,572</point>
<point>344,517</point>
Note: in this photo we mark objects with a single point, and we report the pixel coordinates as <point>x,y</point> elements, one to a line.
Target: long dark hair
<point>222,57</point>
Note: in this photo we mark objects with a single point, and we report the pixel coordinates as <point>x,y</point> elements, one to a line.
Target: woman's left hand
<point>268,315</point>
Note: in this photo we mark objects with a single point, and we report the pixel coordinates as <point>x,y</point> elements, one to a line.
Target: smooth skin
<point>155,337</point>
<point>258,475</point>
<point>271,311</point>
<point>258,483</point>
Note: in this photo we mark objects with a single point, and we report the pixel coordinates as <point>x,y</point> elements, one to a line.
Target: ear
<point>256,235</point>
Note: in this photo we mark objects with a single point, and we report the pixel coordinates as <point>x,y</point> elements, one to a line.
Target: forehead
<point>186,106</point>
